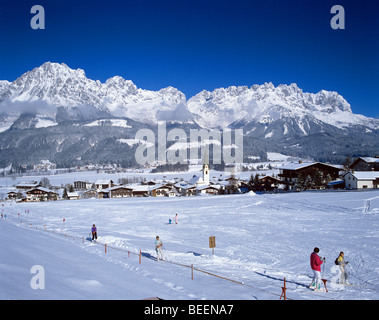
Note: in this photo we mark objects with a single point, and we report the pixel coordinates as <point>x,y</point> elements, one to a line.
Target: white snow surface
<point>260,239</point>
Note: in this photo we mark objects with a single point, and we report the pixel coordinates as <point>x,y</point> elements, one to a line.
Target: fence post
<point>105,246</point>
<point>192,271</point>
<point>324,280</point>
<point>283,291</point>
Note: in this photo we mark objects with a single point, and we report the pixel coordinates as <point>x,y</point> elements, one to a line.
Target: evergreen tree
<point>65,196</point>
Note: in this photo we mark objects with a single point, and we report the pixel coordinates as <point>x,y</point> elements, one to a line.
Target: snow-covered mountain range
<point>49,88</point>
<point>278,110</point>
<point>52,86</point>
<point>54,94</point>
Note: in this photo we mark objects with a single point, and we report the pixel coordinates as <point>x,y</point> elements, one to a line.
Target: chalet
<point>189,190</point>
<point>365,164</point>
<point>123,192</point>
<point>120,192</point>
<point>104,184</point>
<point>362,180</point>
<point>178,187</point>
<point>41,194</point>
<point>243,187</point>
<point>269,182</point>
<point>73,195</point>
<point>12,195</point>
<point>213,190</point>
<point>89,194</point>
<point>22,186</point>
<point>290,173</point>
<point>103,194</point>
<point>140,191</point>
<point>82,185</point>
<point>171,193</point>
<point>160,191</point>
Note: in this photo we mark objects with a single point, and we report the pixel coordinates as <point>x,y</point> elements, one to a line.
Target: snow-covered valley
<point>260,240</point>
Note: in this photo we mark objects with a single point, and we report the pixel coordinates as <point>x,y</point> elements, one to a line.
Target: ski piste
<point>241,267</point>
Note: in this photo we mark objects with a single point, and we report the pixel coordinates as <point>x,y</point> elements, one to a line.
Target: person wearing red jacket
<point>316,263</point>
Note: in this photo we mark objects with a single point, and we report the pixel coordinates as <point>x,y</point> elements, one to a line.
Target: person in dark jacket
<point>94,232</point>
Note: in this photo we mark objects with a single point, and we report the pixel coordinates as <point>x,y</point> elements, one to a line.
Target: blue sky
<point>202,44</point>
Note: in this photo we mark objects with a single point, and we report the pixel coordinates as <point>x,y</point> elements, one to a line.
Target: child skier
<point>316,263</point>
<point>158,248</point>
<point>176,219</point>
<point>342,264</point>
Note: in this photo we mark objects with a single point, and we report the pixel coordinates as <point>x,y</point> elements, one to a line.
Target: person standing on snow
<point>342,264</point>
<point>158,248</point>
<point>316,263</point>
<point>94,232</point>
<point>176,219</point>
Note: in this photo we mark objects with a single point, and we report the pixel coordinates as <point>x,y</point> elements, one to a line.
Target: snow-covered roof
<point>130,187</point>
<point>41,189</point>
<point>159,186</point>
<point>103,181</point>
<point>188,186</point>
<point>297,166</point>
<point>27,184</point>
<point>370,159</point>
<point>271,177</point>
<point>209,186</point>
<point>194,180</point>
<point>365,175</point>
<point>139,188</point>
<point>119,187</point>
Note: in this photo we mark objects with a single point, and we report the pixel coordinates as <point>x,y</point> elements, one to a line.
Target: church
<point>201,181</point>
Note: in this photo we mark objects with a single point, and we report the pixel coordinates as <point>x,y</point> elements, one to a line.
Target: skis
<point>313,288</point>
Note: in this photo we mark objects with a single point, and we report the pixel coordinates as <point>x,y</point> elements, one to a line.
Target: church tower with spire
<point>206,169</point>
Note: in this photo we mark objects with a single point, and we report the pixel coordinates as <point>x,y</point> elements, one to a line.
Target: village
<point>362,173</point>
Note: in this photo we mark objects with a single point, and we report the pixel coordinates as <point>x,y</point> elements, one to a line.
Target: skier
<point>176,219</point>
<point>94,232</point>
<point>158,248</point>
<point>316,263</point>
<point>342,264</point>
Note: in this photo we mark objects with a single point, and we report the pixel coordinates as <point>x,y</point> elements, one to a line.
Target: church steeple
<point>206,168</point>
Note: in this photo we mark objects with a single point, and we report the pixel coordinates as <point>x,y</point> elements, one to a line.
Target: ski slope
<point>260,239</point>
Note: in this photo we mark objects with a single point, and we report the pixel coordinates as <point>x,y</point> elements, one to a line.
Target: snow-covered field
<point>260,239</point>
